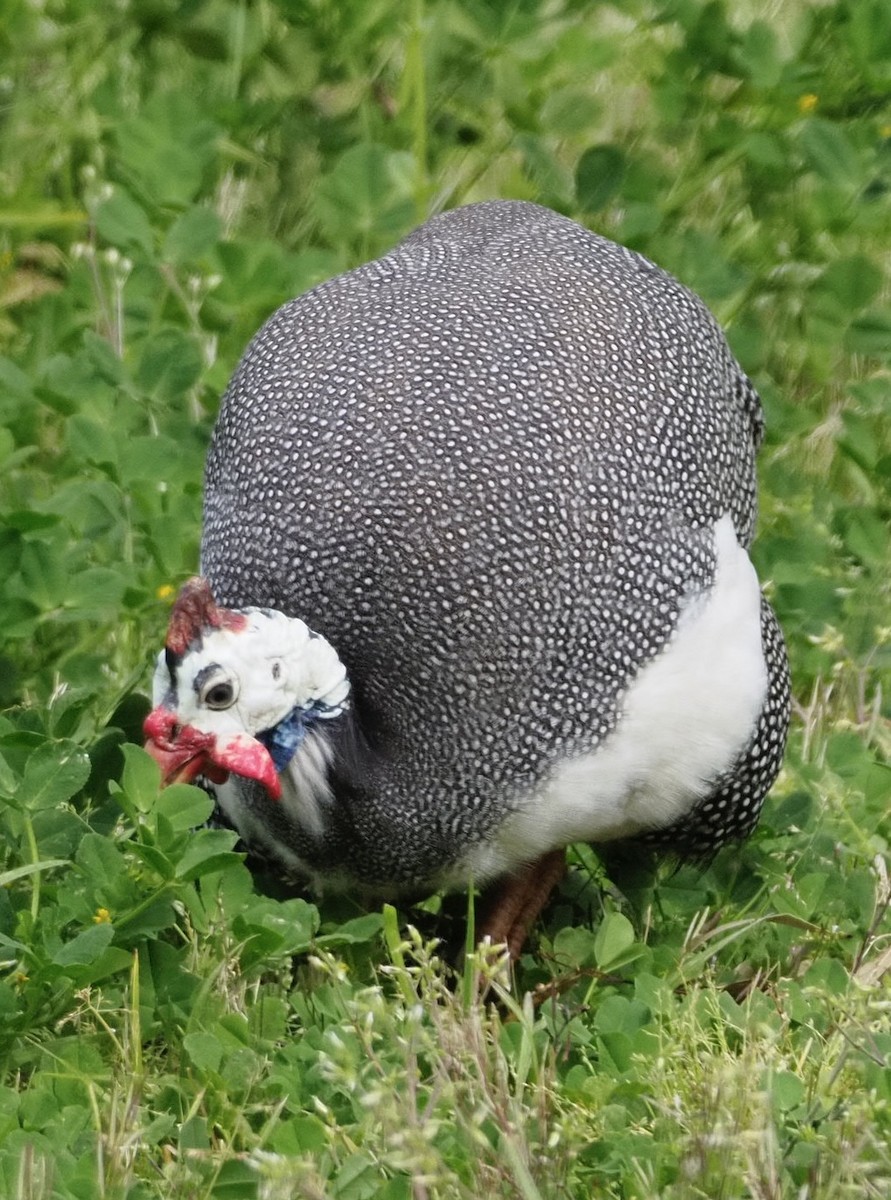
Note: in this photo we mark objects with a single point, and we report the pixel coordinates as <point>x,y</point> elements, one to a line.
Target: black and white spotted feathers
<point>500,470</point>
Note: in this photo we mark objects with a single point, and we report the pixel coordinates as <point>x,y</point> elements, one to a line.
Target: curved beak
<point>183,752</point>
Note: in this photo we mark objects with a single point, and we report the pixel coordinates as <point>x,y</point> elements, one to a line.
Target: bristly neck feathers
<point>303,747</point>
<point>308,779</point>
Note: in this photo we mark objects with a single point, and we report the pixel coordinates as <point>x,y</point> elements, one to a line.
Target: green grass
<point>171,172</point>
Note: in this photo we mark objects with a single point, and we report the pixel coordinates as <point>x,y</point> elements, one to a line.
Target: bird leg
<point>513,905</point>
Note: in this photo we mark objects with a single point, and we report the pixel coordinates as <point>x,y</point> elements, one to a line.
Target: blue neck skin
<point>283,740</point>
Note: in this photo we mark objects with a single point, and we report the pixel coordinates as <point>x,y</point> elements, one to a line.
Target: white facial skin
<point>263,672</point>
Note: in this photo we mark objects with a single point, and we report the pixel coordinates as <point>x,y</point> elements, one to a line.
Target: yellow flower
<point>885,131</point>
<point>102,916</point>
<point>165,591</point>
<point>808,102</point>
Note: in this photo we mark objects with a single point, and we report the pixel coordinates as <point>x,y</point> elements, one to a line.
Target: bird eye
<point>220,694</point>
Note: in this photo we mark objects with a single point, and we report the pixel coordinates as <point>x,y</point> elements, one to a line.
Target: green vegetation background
<point>171,171</point>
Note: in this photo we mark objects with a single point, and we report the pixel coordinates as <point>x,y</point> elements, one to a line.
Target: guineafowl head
<point>236,691</point>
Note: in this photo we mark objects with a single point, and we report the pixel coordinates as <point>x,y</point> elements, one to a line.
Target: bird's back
<point>487,467</point>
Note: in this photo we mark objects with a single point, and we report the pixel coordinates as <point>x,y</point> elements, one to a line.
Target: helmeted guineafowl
<point>505,474</point>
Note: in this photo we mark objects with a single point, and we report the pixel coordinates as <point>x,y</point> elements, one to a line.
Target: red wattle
<point>243,755</point>
<point>183,752</point>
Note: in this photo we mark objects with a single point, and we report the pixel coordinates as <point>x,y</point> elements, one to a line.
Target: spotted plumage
<point>507,472</point>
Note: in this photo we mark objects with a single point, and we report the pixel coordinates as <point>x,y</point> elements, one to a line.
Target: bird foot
<point>512,907</point>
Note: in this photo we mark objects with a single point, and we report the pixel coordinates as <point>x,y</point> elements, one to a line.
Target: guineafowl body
<point>507,472</point>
